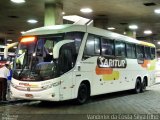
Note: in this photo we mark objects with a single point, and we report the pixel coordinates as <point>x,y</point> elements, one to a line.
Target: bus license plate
<point>29,95</point>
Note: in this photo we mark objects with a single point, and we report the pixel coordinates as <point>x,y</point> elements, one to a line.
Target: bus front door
<point>65,66</point>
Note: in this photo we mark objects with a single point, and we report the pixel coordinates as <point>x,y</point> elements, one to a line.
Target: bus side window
<point>92,47</point>
<point>131,50</point>
<point>153,52</point>
<point>140,52</point>
<point>147,53</point>
<point>107,46</point>
<point>120,49</point>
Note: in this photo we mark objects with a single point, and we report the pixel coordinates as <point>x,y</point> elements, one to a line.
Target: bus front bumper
<point>45,95</point>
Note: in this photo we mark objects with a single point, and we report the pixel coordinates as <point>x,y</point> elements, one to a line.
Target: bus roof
<point>56,29</point>
<point>83,28</point>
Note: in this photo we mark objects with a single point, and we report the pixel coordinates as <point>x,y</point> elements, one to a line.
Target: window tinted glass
<point>140,51</point>
<point>77,36</point>
<point>147,53</point>
<point>66,58</point>
<point>152,53</point>
<point>97,45</point>
<point>131,50</point>
<point>92,46</point>
<point>119,49</point>
<point>107,47</point>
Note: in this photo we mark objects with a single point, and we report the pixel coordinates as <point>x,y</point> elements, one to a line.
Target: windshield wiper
<point>22,70</point>
<point>23,67</point>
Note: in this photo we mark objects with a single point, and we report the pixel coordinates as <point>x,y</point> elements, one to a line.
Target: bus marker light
<point>28,39</point>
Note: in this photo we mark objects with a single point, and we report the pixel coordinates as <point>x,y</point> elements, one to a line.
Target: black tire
<point>83,94</point>
<point>138,86</point>
<point>143,86</point>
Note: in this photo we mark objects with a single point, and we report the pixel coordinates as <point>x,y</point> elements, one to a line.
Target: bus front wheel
<point>83,94</point>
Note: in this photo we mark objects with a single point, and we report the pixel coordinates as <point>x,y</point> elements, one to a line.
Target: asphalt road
<point>121,105</point>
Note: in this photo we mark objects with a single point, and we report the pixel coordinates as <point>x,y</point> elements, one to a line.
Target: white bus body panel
<point>126,77</point>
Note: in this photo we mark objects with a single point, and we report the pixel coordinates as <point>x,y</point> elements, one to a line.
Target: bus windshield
<point>34,61</point>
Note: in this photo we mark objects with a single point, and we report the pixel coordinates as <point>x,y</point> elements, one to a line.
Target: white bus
<point>6,56</point>
<point>62,62</point>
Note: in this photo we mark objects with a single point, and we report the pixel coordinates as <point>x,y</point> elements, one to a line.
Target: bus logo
<point>108,62</point>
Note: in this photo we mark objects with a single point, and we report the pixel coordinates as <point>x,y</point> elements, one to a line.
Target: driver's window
<point>77,37</point>
<point>92,47</point>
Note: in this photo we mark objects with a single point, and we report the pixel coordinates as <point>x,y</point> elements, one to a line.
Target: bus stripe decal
<point>101,71</point>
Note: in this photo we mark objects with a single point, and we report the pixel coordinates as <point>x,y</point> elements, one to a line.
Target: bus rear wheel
<point>83,94</point>
<point>138,86</point>
<point>144,85</point>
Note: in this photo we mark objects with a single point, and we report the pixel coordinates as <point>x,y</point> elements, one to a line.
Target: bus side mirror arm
<point>57,47</point>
